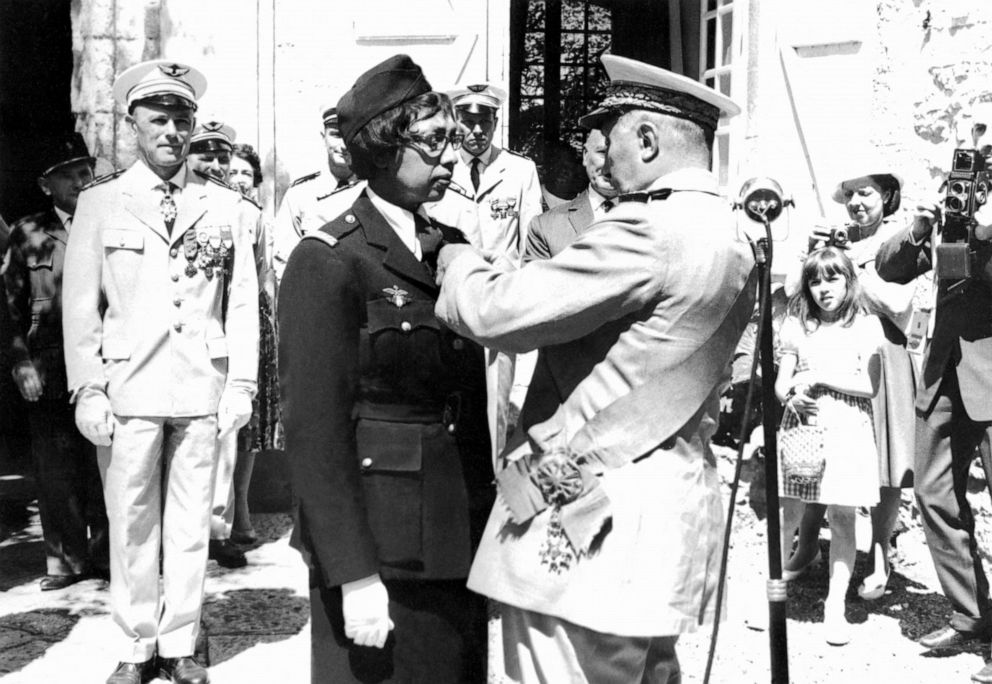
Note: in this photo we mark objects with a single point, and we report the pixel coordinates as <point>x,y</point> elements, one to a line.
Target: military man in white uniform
<point>160,322</point>
<point>314,199</point>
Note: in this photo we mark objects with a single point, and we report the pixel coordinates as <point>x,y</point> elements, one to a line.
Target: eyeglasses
<point>435,144</point>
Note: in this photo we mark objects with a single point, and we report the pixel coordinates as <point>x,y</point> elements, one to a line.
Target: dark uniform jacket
<point>962,333</point>
<point>33,280</point>
<point>384,409</point>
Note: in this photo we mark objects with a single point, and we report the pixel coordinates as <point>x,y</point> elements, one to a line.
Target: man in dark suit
<point>954,413</point>
<point>70,498</point>
<point>554,230</point>
<point>384,408</point>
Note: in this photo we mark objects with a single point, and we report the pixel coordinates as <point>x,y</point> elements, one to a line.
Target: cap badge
<point>174,70</point>
<point>213,126</point>
<point>396,295</point>
<point>478,87</point>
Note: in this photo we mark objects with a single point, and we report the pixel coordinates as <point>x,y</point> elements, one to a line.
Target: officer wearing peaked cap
<point>384,409</point>
<point>314,199</point>
<point>210,149</point>
<point>608,529</point>
<point>73,518</point>
<point>161,336</point>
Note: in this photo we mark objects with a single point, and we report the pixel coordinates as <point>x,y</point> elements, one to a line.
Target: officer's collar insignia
<point>174,70</point>
<point>396,295</point>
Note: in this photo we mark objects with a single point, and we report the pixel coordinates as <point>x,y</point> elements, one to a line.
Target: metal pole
<point>777,587</point>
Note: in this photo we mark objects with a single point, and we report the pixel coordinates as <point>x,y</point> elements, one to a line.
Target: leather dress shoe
<point>983,676</point>
<point>183,670</point>
<point>56,582</point>
<point>948,637</point>
<point>131,673</point>
<point>227,554</point>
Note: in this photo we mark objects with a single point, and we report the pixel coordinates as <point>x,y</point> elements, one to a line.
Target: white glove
<point>233,411</point>
<point>365,604</point>
<point>94,417</point>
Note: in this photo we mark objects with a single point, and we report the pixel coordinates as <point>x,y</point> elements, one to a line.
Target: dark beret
<point>384,86</point>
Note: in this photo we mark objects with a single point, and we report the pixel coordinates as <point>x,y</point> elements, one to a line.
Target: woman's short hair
<point>889,183</point>
<point>390,130</point>
<point>248,153</point>
<point>823,263</point>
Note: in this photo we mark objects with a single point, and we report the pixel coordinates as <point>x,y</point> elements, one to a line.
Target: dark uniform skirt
<point>439,637</point>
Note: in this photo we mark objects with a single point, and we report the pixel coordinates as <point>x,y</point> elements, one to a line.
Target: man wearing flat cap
<point>161,334</point>
<point>70,498</point>
<point>316,198</point>
<point>607,532</point>
<point>384,409</point>
<point>210,149</point>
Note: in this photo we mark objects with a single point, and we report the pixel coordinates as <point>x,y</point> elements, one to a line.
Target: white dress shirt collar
<point>400,220</point>
<point>486,157</point>
<point>64,216</point>
<point>596,202</point>
<point>149,178</point>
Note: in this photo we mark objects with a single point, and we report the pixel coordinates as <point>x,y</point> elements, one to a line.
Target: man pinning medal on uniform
<point>605,544</point>
<point>160,322</point>
<point>385,409</point>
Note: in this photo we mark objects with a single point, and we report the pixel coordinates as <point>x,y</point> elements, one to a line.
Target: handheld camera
<point>967,190</point>
<point>839,237</point>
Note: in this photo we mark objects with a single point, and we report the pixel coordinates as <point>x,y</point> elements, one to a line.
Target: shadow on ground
<point>237,620</point>
<point>25,637</point>
<point>21,560</point>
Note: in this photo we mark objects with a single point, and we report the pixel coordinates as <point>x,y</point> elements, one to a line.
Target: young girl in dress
<point>828,373</point>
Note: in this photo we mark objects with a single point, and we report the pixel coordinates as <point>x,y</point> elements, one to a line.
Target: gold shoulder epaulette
<point>216,181</point>
<point>103,179</point>
<point>304,179</point>
<point>339,189</point>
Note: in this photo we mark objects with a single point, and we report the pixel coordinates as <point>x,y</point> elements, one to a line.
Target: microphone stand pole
<point>777,588</point>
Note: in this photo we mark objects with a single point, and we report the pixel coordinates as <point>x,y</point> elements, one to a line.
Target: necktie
<point>474,173</point>
<point>430,241</point>
<point>167,206</point>
<point>607,205</point>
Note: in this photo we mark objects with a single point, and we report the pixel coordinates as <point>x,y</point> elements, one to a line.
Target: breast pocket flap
<point>114,238</point>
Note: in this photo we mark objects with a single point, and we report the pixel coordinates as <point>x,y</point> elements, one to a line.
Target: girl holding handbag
<point>828,372</point>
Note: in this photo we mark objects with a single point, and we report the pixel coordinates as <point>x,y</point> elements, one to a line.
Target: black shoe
<point>183,670</point>
<point>948,637</point>
<point>227,554</point>
<point>131,673</point>
<point>56,582</point>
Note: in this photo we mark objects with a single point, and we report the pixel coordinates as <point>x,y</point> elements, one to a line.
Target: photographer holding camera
<point>952,404</point>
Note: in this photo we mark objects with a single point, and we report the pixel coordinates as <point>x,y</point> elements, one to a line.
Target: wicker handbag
<point>803,463</point>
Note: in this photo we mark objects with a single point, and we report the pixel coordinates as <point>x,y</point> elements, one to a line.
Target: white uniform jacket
<point>141,317</point>
<point>496,217</point>
<point>309,203</point>
<point>636,294</point>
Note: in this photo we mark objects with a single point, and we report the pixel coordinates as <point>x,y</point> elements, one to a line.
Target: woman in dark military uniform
<point>384,408</point>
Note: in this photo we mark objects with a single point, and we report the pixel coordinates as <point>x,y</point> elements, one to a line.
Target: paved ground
<point>257,618</point>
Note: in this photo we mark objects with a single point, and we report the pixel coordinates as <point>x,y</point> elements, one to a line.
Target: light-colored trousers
<point>222,512</point>
<point>158,478</point>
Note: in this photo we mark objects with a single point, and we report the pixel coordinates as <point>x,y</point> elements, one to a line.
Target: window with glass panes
<point>558,76</point>
<point>716,48</point>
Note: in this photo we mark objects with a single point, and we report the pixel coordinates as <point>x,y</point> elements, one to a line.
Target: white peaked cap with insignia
<point>471,97</point>
<point>328,112</point>
<point>636,85</point>
<point>159,79</point>
<point>214,130</point>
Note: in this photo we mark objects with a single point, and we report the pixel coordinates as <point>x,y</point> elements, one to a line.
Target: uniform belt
<point>400,413</point>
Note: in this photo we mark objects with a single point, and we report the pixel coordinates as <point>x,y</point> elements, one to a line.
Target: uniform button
<point>173,252</point>
<point>122,243</point>
<point>405,326</point>
<point>366,462</point>
<point>178,326</point>
<point>350,218</point>
<point>177,301</point>
<point>458,344</point>
<point>175,277</point>
<point>452,428</point>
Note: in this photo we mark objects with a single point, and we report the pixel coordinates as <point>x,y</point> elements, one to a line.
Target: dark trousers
<point>70,495</point>
<point>946,444</point>
<point>439,637</point>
